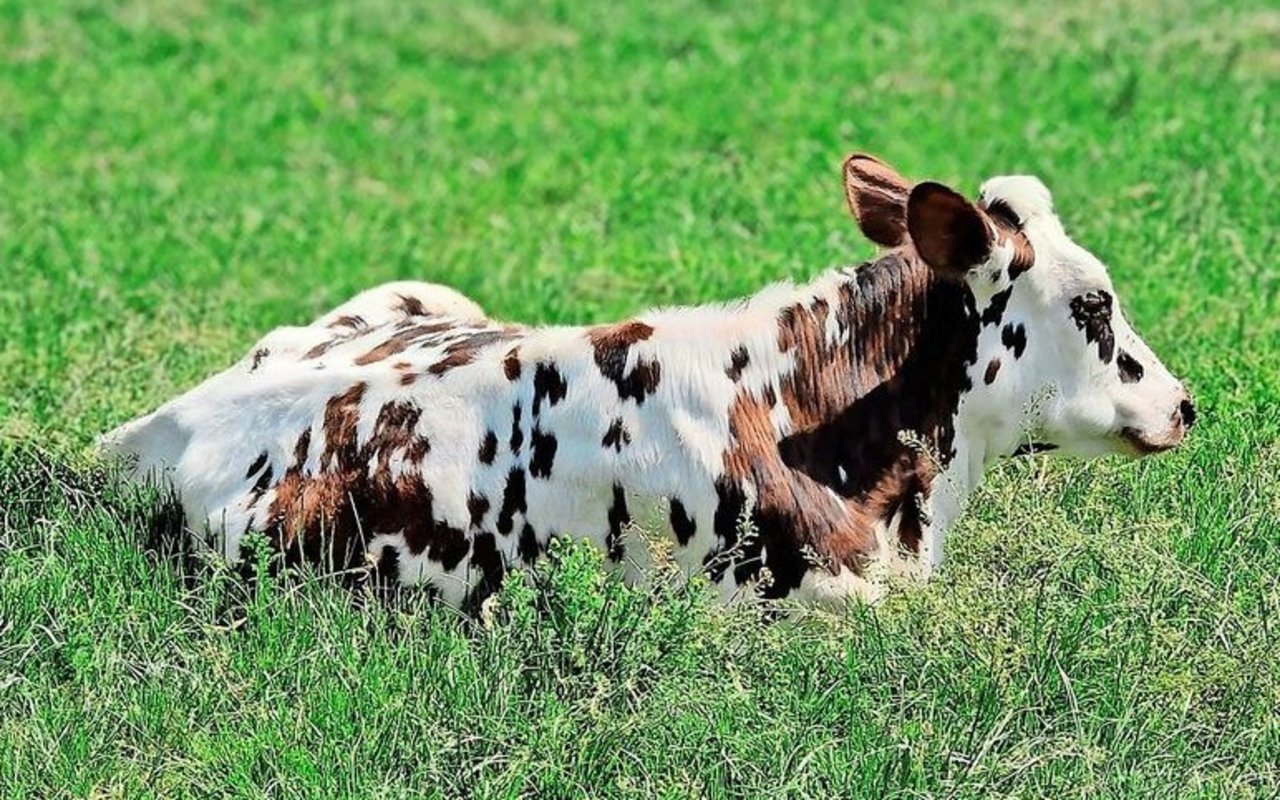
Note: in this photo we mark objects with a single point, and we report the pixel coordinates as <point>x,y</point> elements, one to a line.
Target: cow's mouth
<point>1144,445</point>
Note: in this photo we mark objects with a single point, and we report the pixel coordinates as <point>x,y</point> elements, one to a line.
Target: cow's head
<point>1058,365</point>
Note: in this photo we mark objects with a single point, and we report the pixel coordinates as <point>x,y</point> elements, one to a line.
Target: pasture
<point>176,178</point>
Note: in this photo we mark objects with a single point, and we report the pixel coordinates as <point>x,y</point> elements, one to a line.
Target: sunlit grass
<point>177,178</point>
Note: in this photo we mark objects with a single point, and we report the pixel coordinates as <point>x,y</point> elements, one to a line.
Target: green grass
<point>178,176</point>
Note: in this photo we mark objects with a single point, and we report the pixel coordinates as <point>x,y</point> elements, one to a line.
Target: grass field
<point>178,176</point>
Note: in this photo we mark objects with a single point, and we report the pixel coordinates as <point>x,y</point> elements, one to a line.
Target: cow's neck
<point>865,463</point>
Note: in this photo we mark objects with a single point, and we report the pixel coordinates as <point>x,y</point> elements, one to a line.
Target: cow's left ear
<point>877,196</point>
<point>950,233</point>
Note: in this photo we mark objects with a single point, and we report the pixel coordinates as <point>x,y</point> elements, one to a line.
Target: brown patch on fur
<point>404,337</point>
<point>993,368</point>
<point>326,517</point>
<point>412,306</point>
<point>511,364</point>
<point>612,345</point>
<point>899,364</point>
<point>323,347</point>
<point>353,321</point>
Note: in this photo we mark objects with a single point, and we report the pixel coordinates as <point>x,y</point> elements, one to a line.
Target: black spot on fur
<point>547,383</point>
<point>488,448</point>
<point>528,547</point>
<point>1031,448</point>
<point>1130,370</point>
<point>616,437</point>
<point>1092,314</point>
<point>730,507</point>
<point>448,546</point>
<point>619,516</point>
<point>1014,337</point>
<point>513,501</point>
<point>258,355</point>
<point>486,559</point>
<point>517,435</point>
<point>258,464</point>
<point>1001,210</point>
<point>477,506</point>
<point>386,570</point>
<point>544,447</point>
<point>737,362</point>
<point>681,524</point>
<point>994,311</point>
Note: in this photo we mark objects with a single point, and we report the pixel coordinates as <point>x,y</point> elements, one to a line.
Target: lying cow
<point>809,441</point>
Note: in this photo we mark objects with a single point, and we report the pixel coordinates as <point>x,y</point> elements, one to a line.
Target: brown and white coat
<point>822,437</point>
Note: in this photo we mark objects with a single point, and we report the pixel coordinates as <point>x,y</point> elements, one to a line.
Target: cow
<point>812,442</point>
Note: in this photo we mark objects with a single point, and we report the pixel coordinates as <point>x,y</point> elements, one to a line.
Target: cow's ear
<point>950,233</point>
<point>877,197</point>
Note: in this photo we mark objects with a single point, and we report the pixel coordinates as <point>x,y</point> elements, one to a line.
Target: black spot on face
<point>619,516</point>
<point>488,448</point>
<point>616,437</point>
<point>513,501</point>
<point>544,453</point>
<point>681,524</point>
<point>737,362</point>
<point>1130,370</point>
<point>548,384</point>
<point>1014,337</point>
<point>1092,314</point>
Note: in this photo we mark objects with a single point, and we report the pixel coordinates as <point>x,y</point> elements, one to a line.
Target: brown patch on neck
<point>903,339</point>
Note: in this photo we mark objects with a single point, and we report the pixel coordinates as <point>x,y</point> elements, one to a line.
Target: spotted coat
<point>811,441</point>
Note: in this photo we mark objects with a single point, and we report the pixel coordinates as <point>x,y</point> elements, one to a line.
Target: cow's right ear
<point>950,233</point>
<point>877,197</point>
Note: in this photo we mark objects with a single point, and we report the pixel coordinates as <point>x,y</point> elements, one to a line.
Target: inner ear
<point>877,197</point>
<point>950,233</point>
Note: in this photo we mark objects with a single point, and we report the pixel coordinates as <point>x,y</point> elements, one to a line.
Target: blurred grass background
<point>178,177</point>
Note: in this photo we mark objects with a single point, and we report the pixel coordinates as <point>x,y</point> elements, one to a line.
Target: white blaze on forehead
<point>1024,195</point>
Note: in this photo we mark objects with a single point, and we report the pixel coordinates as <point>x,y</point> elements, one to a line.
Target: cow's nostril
<point>1188,411</point>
